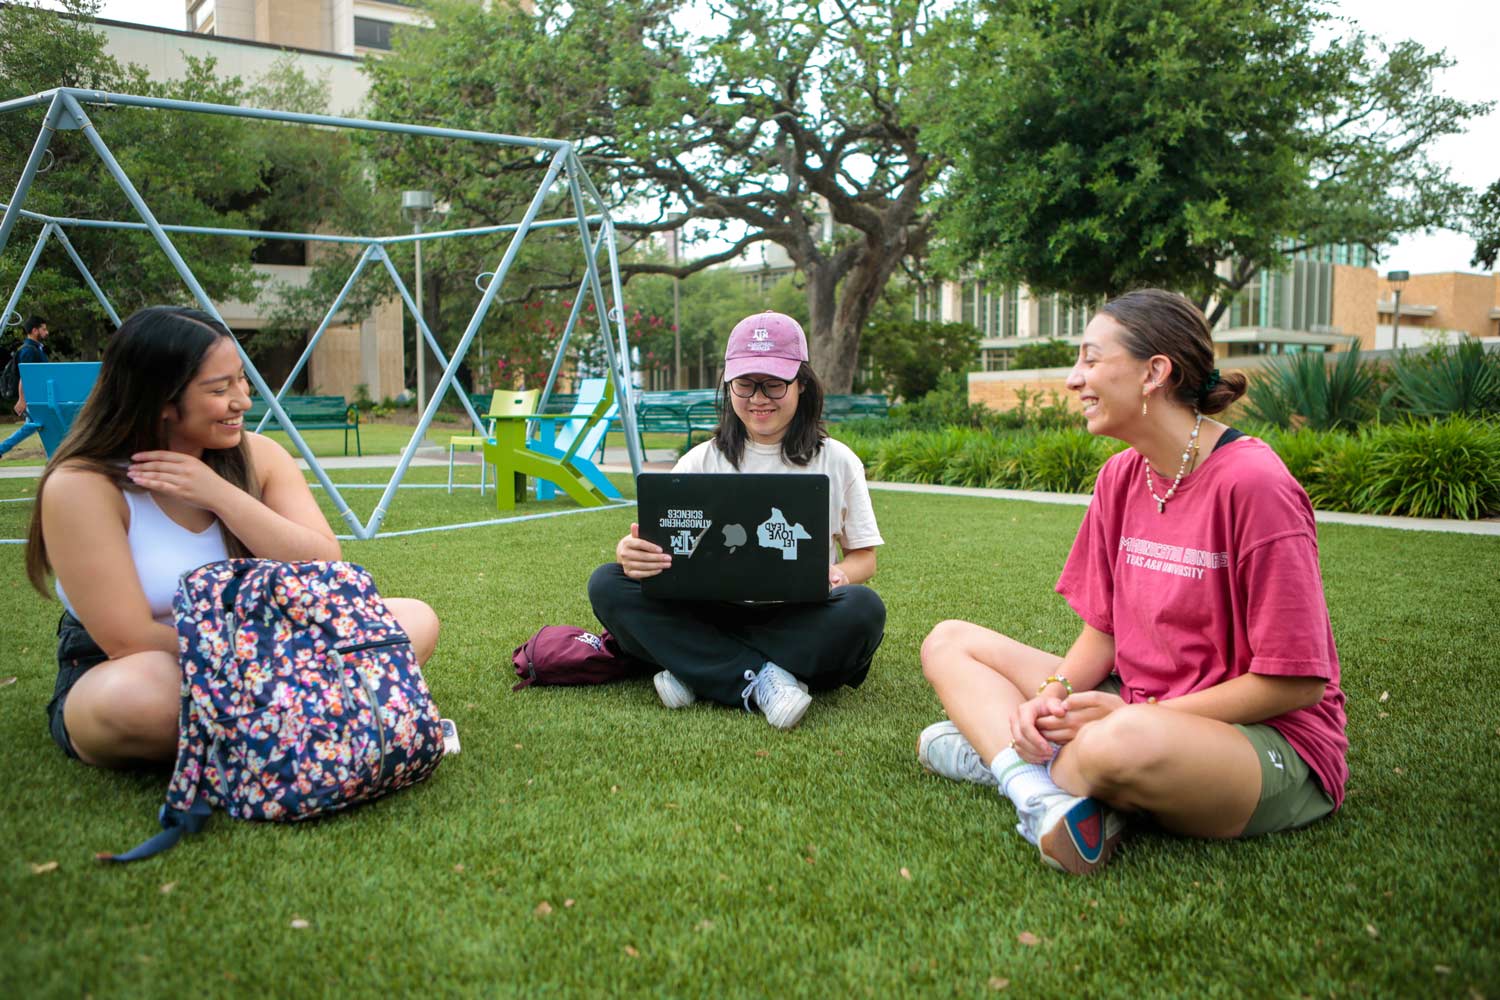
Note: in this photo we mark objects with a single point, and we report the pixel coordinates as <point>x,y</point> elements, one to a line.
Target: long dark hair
<point>804,435</point>
<point>147,365</point>
<point>1162,322</point>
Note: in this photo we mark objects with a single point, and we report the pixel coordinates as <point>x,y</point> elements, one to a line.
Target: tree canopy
<point>1104,146</point>
<point>787,122</point>
<point>192,169</point>
<point>1484,225</point>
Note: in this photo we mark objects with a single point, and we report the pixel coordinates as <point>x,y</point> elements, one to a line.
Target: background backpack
<point>300,696</point>
<point>563,654</point>
<point>10,377</point>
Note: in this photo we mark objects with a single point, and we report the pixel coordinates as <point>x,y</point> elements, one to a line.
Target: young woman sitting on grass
<point>1204,688</point>
<point>765,656</point>
<point>157,477</point>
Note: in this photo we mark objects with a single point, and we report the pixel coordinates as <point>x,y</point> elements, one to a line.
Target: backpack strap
<point>530,677</point>
<point>174,823</point>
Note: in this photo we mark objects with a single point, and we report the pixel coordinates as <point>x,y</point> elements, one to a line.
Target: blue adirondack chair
<point>55,392</point>
<point>582,437</point>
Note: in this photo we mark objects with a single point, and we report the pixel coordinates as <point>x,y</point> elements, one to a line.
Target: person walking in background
<point>31,352</point>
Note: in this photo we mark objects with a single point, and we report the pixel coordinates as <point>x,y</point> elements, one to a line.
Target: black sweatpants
<point>710,645</point>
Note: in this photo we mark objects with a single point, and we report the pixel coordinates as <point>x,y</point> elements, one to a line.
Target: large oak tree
<point>1101,145</point>
<point>778,118</point>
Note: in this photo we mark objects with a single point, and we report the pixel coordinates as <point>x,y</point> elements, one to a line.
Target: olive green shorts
<point>1290,794</point>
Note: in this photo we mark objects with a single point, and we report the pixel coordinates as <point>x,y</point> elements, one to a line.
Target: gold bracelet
<point>1055,679</point>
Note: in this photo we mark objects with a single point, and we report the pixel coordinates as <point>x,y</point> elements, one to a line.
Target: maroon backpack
<point>563,654</point>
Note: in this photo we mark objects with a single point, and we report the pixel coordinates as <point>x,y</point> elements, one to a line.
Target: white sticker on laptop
<point>690,527</point>
<point>777,533</point>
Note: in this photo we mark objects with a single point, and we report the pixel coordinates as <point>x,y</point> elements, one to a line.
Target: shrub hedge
<point>1443,468</point>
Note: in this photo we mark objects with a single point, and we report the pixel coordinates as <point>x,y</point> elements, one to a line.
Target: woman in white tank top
<point>157,477</point>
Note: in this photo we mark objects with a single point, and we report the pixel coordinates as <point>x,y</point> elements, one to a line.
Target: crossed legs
<point>1195,775</point>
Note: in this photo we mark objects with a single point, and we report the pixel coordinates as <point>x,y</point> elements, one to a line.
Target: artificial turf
<point>589,842</point>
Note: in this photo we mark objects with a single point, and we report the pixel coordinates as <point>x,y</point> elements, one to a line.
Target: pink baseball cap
<point>768,343</point>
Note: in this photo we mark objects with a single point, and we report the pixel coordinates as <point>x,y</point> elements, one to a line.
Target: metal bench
<point>315,413</point>
<point>677,411</point>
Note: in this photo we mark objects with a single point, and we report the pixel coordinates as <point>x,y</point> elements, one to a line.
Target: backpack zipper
<point>375,721</point>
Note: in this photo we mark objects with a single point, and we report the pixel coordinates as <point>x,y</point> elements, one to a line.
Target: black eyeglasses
<point>772,388</point>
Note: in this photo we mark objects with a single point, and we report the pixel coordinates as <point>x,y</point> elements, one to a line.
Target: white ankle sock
<point>1019,780</point>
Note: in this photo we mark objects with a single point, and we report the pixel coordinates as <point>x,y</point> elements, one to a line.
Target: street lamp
<point>1397,280</point>
<point>416,208</point>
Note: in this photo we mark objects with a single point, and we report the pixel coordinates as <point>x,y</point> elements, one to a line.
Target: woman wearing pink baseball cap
<point>771,658</point>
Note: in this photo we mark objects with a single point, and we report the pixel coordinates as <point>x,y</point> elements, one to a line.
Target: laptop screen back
<point>737,537</point>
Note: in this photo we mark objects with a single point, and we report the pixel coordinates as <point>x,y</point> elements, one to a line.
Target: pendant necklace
<point>1188,452</point>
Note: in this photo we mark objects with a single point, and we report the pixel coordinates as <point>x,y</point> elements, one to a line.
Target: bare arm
<point>84,520</point>
<point>285,523</point>
<point>1251,698</point>
<point>857,566</point>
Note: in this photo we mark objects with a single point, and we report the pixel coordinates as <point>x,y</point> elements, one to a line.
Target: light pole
<point>416,208</point>
<point>1397,281</point>
<point>677,379</point>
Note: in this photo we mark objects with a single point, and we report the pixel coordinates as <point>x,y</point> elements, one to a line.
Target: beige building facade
<point>1439,308</point>
<point>369,352</point>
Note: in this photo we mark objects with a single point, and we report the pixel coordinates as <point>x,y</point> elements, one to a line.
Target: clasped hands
<point>1047,719</point>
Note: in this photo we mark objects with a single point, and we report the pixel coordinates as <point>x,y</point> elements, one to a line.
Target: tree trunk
<point>839,313</point>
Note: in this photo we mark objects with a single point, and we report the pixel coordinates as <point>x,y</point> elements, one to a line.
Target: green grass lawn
<point>588,842</point>
<point>376,438</point>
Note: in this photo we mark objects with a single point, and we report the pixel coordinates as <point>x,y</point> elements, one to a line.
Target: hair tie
<point>1209,383</point>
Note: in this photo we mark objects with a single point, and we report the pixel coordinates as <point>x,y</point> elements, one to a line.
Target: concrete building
<point>345,27</point>
<point>1438,309</point>
<point>350,354</point>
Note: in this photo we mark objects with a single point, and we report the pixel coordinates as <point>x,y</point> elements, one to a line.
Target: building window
<point>1012,306</point>
<point>372,34</point>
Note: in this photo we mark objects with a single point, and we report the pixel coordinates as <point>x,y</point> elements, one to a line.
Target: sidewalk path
<point>662,459</point>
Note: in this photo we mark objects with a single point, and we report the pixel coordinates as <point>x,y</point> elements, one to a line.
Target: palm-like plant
<point>1443,383</point>
<point>1305,389</point>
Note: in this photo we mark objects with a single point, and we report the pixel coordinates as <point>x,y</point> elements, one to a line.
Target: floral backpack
<point>300,696</point>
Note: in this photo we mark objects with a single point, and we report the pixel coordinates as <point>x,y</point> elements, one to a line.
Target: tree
<point>788,112</point>
<point>1100,147</point>
<point>191,169</point>
<point>1053,354</point>
<point>908,357</point>
<point>1484,224</point>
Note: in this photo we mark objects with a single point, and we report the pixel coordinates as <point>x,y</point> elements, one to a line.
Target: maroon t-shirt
<point>1223,583</point>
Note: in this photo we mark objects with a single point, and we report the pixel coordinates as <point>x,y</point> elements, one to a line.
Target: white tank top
<point>163,551</point>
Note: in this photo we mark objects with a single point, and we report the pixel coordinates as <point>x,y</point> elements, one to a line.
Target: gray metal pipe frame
<point>28,173</point>
<point>338,303</point>
<point>273,234</point>
<point>65,104</point>
<point>36,255</point>
<point>485,301</point>
<point>619,367</point>
<point>109,309</point>
<point>427,334</point>
<point>332,121</point>
<point>562,347</point>
<point>91,134</point>
<point>627,405</point>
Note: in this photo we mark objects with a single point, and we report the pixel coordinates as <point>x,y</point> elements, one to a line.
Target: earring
<point>1145,394</point>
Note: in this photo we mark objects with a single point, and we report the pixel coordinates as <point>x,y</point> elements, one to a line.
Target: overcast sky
<point>1468,29</point>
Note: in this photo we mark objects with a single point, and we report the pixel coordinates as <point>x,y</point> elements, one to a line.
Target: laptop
<point>737,537</point>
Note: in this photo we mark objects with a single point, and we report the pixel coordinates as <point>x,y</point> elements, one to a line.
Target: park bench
<point>677,411</point>
<point>849,406</point>
<point>314,413</point>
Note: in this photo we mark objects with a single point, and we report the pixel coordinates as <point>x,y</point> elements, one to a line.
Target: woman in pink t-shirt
<point>1204,687</point>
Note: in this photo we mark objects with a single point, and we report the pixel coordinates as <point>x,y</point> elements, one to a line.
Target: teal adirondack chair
<point>577,440</point>
<point>55,392</point>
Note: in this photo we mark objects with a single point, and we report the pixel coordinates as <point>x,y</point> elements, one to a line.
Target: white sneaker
<point>1073,833</point>
<point>944,751</point>
<point>672,692</point>
<point>781,698</point>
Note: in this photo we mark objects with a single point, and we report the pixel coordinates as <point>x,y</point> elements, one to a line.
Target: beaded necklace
<point>1188,451</point>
